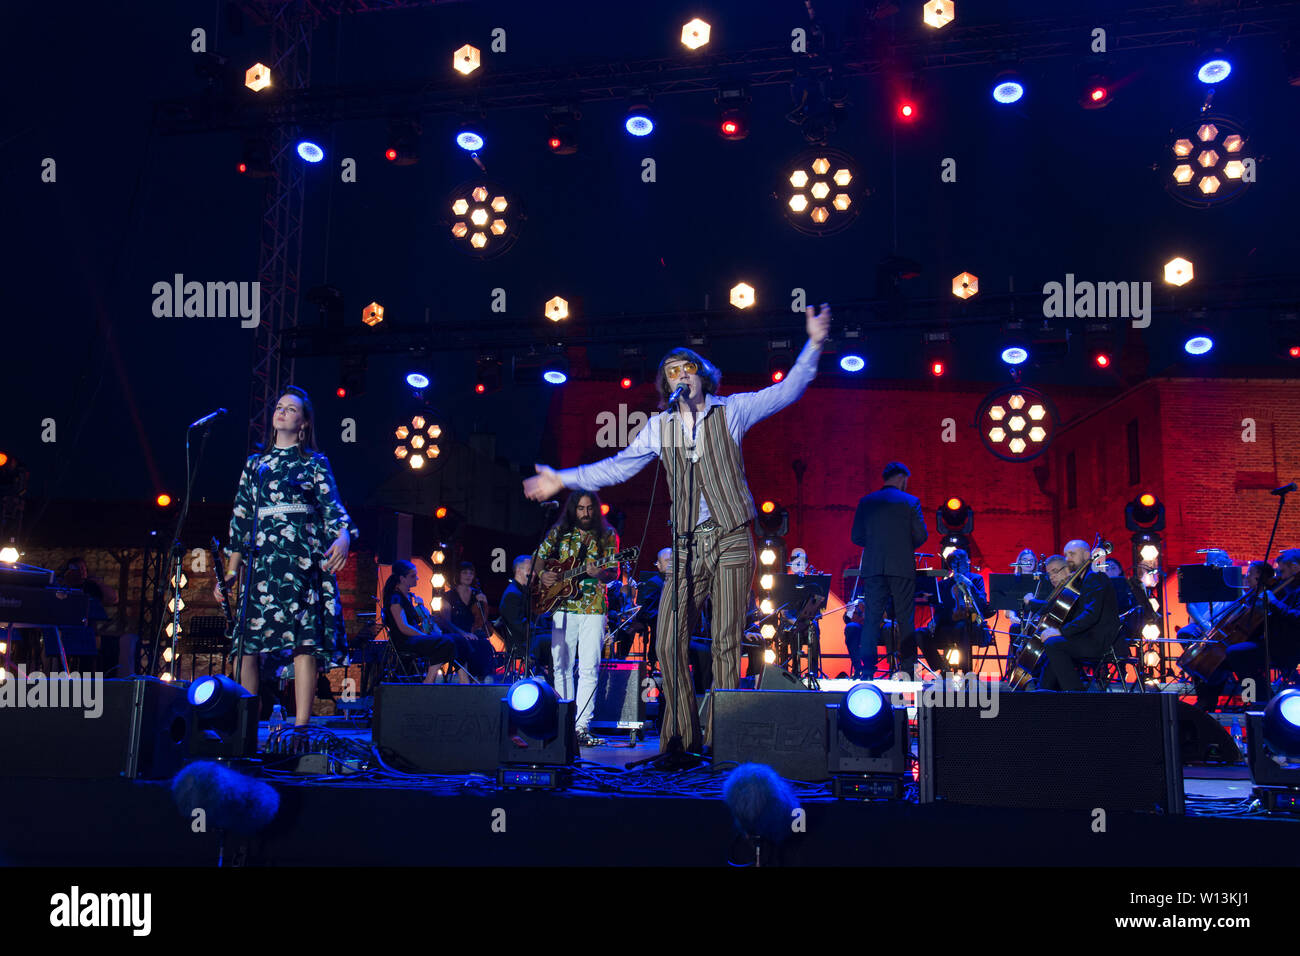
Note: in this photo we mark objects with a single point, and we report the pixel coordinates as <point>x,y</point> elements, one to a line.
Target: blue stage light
<point>417,380</point>
<point>310,151</point>
<point>555,376</point>
<point>853,363</point>
<point>1198,345</point>
<point>534,707</point>
<point>1015,355</point>
<point>1008,91</point>
<point>866,717</point>
<point>1214,70</point>
<point>1281,726</point>
<point>214,695</point>
<point>469,140</point>
<point>639,124</point>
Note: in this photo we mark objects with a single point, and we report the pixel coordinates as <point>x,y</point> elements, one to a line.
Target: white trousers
<point>576,638</point>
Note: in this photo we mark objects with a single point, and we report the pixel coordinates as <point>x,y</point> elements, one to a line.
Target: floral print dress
<point>294,606</point>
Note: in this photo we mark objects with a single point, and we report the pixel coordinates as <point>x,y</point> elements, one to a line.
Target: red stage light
<point>556,142</point>
<point>626,383</point>
<point>777,375</point>
<point>1102,360</point>
<point>729,127</point>
<point>1097,94</point>
<point>390,154</point>
<point>163,500</point>
<point>440,513</point>
<point>4,459</point>
<point>907,110</point>
<point>937,369</point>
<point>1147,500</point>
<point>1294,351</point>
<point>604,508</point>
<point>768,507</point>
<point>243,167</point>
<point>480,388</point>
<point>954,504</point>
<point>341,392</point>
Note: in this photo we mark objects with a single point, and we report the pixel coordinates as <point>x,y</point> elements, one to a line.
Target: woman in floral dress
<point>303,533</point>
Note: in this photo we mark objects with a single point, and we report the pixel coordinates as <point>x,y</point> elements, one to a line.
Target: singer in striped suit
<point>697,436</point>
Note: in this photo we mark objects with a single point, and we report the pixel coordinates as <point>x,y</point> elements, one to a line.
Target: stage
<point>613,817</point>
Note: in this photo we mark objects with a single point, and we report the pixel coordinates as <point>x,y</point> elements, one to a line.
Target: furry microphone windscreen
<point>761,802</point>
<point>230,800</point>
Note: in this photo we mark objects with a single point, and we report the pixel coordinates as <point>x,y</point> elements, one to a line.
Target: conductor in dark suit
<point>1091,626</point>
<point>889,527</point>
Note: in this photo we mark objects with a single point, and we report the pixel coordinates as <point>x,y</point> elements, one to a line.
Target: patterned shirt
<point>590,597</point>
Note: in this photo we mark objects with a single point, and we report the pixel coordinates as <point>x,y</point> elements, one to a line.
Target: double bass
<point>1059,604</point>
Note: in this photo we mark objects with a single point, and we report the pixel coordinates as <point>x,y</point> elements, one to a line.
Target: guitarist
<point>957,622</point>
<point>1091,626</point>
<point>580,537</point>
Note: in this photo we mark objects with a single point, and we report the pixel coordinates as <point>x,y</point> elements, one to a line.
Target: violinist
<point>1246,658</point>
<point>958,616</point>
<point>1090,627</point>
<point>464,613</point>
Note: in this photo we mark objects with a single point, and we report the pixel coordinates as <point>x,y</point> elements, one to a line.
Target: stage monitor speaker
<point>772,677</point>
<point>620,690</point>
<point>1064,751</point>
<point>139,730</point>
<point>1202,739</point>
<point>784,729</point>
<point>439,728</point>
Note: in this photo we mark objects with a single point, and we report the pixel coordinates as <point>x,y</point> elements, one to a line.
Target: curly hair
<point>710,377</point>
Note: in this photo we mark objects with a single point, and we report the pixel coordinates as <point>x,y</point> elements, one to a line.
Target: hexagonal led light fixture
<point>695,34</point>
<point>939,13</point>
<point>557,309</point>
<point>821,191</point>
<point>466,60</point>
<point>742,295</point>
<point>1209,164</point>
<point>1178,271</point>
<point>965,285</point>
<point>1025,433</point>
<point>418,442</point>
<point>257,77</point>
<point>484,219</point>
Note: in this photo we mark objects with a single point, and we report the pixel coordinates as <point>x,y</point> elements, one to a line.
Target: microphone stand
<point>1268,659</point>
<point>177,552</point>
<point>251,552</point>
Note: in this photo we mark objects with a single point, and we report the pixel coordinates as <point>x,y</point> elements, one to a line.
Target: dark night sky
<point>1044,188</point>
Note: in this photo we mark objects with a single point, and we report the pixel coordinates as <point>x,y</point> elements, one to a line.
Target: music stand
<point>1007,591</point>
<point>1207,584</point>
<point>803,596</point>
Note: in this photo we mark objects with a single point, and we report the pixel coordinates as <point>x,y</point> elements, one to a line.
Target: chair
<point>1102,671</point>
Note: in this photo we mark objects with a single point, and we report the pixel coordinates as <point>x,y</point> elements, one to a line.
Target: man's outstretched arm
<point>548,483</point>
<point>750,408</point>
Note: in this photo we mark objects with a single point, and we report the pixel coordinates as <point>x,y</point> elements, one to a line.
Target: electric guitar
<point>545,599</point>
<point>220,567</point>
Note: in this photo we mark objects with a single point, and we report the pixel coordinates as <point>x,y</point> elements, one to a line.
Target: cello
<point>1059,605</point>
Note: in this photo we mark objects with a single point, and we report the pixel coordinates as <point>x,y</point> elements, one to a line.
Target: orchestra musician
<point>958,616</point>
<point>889,526</point>
<point>412,628</point>
<point>698,437</point>
<point>648,593</point>
<point>1245,659</point>
<point>1091,626</point>
<point>515,610</point>
<point>464,614</point>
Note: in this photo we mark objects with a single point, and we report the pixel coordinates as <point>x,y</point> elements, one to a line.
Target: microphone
<point>207,418</point>
<point>680,392</point>
<point>1284,490</point>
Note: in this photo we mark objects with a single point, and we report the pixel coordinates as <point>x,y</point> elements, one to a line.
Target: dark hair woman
<point>303,536</point>
<point>411,627</point>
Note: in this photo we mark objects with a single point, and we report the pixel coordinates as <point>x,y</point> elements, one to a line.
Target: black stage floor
<point>612,817</point>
